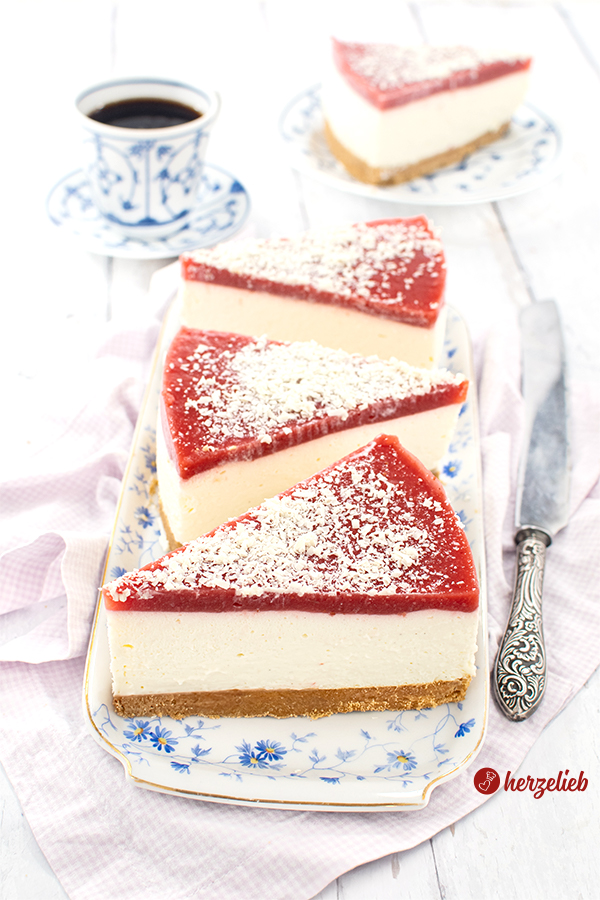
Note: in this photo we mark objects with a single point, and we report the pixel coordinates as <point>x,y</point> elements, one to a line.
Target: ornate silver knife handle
<point>519,674</point>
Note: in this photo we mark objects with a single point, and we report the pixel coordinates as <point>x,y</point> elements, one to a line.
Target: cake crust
<point>282,704</point>
<point>362,171</point>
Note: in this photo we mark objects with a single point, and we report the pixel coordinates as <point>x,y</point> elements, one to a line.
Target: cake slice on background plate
<point>372,287</point>
<point>242,419</point>
<point>396,113</point>
<point>354,590</point>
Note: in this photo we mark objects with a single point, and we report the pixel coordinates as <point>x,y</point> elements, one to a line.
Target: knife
<point>519,675</point>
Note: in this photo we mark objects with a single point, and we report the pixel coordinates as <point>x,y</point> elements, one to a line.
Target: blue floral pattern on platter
<point>526,157</point>
<point>221,208</point>
<point>356,761</point>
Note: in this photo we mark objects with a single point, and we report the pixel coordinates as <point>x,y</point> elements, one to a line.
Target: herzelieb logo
<point>487,781</point>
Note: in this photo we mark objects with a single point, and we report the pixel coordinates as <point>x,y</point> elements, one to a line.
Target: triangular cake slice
<point>354,590</point>
<point>395,113</point>
<point>245,418</point>
<point>372,287</point>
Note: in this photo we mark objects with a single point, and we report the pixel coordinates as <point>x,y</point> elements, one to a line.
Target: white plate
<point>221,209</point>
<point>354,761</point>
<point>525,158</point>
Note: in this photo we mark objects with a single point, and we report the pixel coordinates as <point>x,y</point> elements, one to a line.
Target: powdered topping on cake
<point>394,268</point>
<point>388,75</point>
<point>373,533</point>
<point>227,396</point>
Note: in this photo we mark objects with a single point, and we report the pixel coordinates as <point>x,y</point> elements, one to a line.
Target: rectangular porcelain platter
<point>356,762</point>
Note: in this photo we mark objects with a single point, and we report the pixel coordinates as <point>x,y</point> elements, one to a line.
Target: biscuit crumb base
<point>362,171</point>
<point>283,704</point>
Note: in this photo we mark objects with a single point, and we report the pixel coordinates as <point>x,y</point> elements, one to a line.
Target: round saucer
<point>528,156</point>
<point>221,210</point>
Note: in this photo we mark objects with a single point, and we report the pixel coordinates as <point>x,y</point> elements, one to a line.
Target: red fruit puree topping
<point>228,397</point>
<point>393,268</point>
<point>374,533</point>
<point>387,75</point>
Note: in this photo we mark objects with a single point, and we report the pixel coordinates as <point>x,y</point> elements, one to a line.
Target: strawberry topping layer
<point>373,533</point>
<point>228,397</point>
<point>387,75</point>
<point>393,268</point>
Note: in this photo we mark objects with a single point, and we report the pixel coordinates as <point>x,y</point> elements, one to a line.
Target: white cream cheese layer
<point>216,307</point>
<point>403,135</point>
<point>164,652</point>
<point>196,505</point>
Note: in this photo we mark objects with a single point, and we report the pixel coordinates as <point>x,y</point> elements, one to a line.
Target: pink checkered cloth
<point>104,837</point>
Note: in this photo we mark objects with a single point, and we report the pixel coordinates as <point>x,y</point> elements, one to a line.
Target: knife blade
<point>519,674</point>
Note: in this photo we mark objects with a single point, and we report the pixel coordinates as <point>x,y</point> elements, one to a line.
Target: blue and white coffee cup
<point>145,181</point>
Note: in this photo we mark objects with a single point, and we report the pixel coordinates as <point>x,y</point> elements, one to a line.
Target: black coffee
<point>144,112</point>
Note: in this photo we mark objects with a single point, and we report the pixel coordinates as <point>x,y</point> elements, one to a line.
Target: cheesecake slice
<point>396,113</point>
<point>242,419</point>
<point>353,590</point>
<point>369,288</point>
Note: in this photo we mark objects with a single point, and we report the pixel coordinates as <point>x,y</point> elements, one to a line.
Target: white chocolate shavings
<point>350,530</point>
<point>266,386</point>
<point>344,262</point>
<point>388,67</point>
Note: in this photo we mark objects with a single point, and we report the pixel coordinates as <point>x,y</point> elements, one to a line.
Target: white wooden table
<point>57,298</point>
